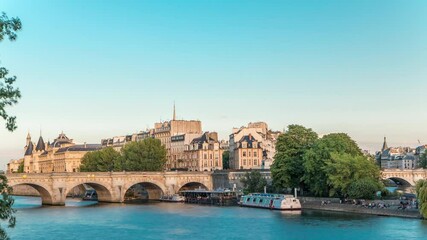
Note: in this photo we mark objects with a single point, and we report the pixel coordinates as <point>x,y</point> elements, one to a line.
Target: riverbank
<point>358,209</point>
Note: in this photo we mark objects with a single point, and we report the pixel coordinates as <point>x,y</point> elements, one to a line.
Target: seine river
<point>79,220</point>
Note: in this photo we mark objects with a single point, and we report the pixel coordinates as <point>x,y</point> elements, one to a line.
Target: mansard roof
<point>40,145</point>
<point>62,138</point>
<point>80,148</point>
<point>30,149</point>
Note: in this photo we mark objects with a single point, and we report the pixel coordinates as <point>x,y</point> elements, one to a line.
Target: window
<point>249,153</point>
<point>255,161</point>
<point>205,156</point>
<point>216,163</point>
<point>244,153</point>
<point>255,153</point>
<point>244,161</point>
<point>210,156</point>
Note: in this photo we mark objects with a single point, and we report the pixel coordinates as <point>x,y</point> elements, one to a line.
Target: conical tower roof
<point>40,145</point>
<point>385,147</point>
<point>30,149</point>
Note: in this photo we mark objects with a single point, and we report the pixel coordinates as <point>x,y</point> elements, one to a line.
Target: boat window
<point>254,200</point>
<point>260,200</point>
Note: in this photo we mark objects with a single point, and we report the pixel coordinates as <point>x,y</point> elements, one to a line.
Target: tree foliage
<point>226,159</point>
<point>105,160</point>
<point>288,169</point>
<point>364,188</point>
<point>421,189</point>
<point>253,182</point>
<point>423,160</point>
<point>315,159</point>
<point>342,169</point>
<point>9,95</point>
<point>146,155</point>
<point>6,203</point>
<point>21,167</point>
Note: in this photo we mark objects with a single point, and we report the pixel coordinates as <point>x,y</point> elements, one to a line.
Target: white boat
<point>172,198</point>
<point>270,201</point>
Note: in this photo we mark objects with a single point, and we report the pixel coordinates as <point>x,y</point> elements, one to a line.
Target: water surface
<point>81,220</point>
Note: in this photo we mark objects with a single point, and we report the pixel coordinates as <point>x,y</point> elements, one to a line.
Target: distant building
<point>62,155</point>
<point>13,165</point>
<point>266,142</point>
<point>203,153</point>
<point>397,157</point>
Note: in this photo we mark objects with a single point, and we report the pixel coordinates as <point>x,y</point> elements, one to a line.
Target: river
<point>83,220</point>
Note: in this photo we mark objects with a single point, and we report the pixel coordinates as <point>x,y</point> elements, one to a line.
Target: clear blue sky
<point>97,69</point>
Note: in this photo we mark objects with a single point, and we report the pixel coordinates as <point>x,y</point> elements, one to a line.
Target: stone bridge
<point>110,186</point>
<point>405,177</point>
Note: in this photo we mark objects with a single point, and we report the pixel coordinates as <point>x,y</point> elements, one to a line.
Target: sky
<point>98,69</point>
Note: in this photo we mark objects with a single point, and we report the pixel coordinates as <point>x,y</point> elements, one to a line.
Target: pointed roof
<point>40,144</point>
<point>384,144</point>
<point>30,149</point>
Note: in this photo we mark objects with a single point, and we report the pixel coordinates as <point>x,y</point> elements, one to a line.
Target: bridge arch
<point>401,181</point>
<point>192,186</point>
<point>135,189</point>
<point>104,192</point>
<point>45,193</point>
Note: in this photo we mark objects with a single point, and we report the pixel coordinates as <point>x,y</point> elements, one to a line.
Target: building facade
<point>62,155</point>
<point>266,143</point>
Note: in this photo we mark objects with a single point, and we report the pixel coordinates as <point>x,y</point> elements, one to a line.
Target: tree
<point>342,169</point>
<point>421,189</point>
<point>6,203</point>
<point>316,156</point>
<point>9,95</point>
<point>423,160</point>
<point>146,155</point>
<point>364,188</point>
<point>105,160</point>
<point>288,167</point>
<point>21,167</point>
<point>226,159</point>
<point>253,182</point>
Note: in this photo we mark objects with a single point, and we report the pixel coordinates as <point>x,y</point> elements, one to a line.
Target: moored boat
<point>270,201</point>
<point>172,198</point>
<point>90,195</point>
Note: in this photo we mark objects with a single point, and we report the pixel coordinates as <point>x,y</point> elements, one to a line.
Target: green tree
<point>423,160</point>
<point>342,169</point>
<point>226,159</point>
<point>316,156</point>
<point>364,188</point>
<point>21,167</point>
<point>146,155</point>
<point>288,168</point>
<point>253,182</point>
<point>9,95</point>
<point>421,189</point>
<point>105,160</point>
<point>6,203</point>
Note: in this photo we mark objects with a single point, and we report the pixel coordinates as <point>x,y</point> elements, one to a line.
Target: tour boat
<point>270,201</point>
<point>172,198</point>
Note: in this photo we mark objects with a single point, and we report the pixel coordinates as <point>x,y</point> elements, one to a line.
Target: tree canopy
<point>9,95</point>
<point>253,182</point>
<point>145,155</point>
<point>6,203</point>
<point>423,160</point>
<point>226,159</point>
<point>421,189</point>
<point>104,160</point>
<point>288,167</point>
<point>332,165</point>
<point>315,159</point>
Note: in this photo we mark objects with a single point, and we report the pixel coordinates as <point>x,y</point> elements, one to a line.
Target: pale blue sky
<point>97,69</point>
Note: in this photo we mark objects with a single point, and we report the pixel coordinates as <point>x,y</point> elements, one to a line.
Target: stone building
<point>62,155</point>
<point>247,154</point>
<point>266,141</point>
<point>13,165</point>
<point>397,157</point>
<point>204,153</point>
